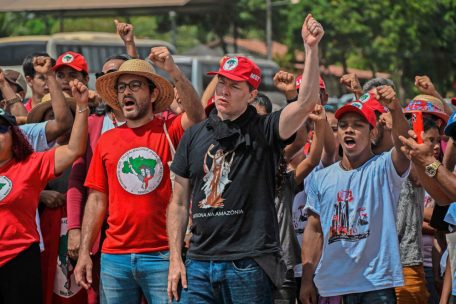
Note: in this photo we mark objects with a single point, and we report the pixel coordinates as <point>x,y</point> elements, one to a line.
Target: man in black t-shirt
<point>226,166</point>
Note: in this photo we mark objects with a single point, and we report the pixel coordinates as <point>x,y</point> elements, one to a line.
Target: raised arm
<point>312,245</point>
<point>209,91</point>
<point>190,102</point>
<point>387,97</point>
<point>176,224</point>
<point>13,103</point>
<point>304,168</point>
<point>425,86</point>
<point>94,214</point>
<point>67,154</point>
<point>62,115</point>
<point>285,82</point>
<point>351,83</point>
<point>294,114</point>
<point>126,33</point>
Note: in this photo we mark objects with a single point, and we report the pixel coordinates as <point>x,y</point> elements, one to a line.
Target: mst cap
<point>73,60</point>
<point>359,108</point>
<point>239,69</point>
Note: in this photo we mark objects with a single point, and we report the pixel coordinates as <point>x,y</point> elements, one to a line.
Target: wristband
<point>83,110</point>
<point>12,101</point>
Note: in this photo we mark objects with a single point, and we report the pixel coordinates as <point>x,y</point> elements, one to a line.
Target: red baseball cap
<point>359,108</point>
<point>299,80</point>
<point>372,102</point>
<point>73,60</point>
<point>240,69</point>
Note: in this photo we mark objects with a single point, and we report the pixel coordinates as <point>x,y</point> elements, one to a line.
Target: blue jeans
<point>382,296</point>
<point>238,281</point>
<point>125,277</point>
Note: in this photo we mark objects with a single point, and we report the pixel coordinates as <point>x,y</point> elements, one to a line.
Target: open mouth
<point>349,142</point>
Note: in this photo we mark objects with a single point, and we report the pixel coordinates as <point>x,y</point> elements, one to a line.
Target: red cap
<point>240,69</point>
<point>370,100</point>
<point>299,79</point>
<point>73,60</point>
<point>453,101</point>
<point>358,108</point>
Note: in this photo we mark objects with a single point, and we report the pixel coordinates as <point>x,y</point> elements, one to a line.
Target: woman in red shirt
<point>23,175</point>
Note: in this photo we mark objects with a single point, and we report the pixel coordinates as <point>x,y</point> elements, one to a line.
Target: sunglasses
<point>4,129</point>
<point>99,74</point>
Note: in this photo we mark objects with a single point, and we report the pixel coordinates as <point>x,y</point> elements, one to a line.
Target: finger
<point>174,284</point>
<point>412,134</point>
<point>308,17</point>
<point>170,293</point>
<point>184,278</point>
<point>116,22</point>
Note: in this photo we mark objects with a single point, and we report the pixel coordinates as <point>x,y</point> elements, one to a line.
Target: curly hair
<point>21,147</point>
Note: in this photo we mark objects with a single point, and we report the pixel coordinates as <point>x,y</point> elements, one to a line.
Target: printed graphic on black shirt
<point>348,223</point>
<point>216,176</point>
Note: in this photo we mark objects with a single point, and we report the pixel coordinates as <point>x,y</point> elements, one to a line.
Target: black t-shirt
<point>231,166</point>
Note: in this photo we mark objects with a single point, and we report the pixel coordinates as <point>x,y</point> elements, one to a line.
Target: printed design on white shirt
<point>216,177</point>
<point>348,221</point>
<point>299,219</point>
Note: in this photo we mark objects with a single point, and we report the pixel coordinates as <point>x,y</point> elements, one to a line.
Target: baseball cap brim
<point>352,109</point>
<point>228,75</point>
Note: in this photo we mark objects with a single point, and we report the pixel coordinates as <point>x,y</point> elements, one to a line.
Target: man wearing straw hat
<point>129,179</point>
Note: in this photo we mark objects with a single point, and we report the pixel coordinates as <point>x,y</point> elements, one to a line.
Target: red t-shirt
<point>130,165</point>
<point>28,104</point>
<point>20,187</point>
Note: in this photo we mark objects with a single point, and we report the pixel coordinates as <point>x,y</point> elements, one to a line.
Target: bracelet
<point>83,110</point>
<point>12,101</point>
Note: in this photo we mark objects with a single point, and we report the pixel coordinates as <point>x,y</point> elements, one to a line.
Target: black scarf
<point>229,133</point>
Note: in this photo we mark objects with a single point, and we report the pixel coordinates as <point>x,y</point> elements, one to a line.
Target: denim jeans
<point>124,277</point>
<point>382,296</point>
<point>238,281</point>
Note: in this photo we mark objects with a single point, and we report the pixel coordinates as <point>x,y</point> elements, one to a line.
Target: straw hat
<point>427,104</point>
<point>106,84</point>
<point>37,113</point>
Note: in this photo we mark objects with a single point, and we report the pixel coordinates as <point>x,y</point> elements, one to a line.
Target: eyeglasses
<point>99,74</point>
<point>4,129</point>
<point>134,86</point>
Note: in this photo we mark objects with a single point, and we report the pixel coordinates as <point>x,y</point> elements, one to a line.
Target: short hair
<point>377,82</point>
<point>123,57</point>
<point>27,64</point>
<point>264,101</point>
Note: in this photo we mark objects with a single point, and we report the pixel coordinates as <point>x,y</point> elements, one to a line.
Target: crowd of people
<point>144,192</point>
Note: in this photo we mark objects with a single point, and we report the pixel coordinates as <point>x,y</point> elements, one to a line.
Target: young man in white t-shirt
<point>353,235</point>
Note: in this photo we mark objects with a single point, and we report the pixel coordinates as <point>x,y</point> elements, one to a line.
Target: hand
<point>74,241</point>
<point>308,294</point>
<point>425,86</point>
<point>42,65</point>
<point>387,97</point>
<point>318,115</point>
<point>285,82</point>
<point>52,199</point>
<point>80,93</point>
<point>312,31</point>
<point>162,58</point>
<point>83,271</point>
<point>125,31</point>
<point>420,154</point>
<point>176,273</point>
<point>386,120</point>
<point>351,83</point>
<point>94,99</point>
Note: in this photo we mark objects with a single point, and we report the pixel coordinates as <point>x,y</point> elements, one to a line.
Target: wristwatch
<point>431,169</point>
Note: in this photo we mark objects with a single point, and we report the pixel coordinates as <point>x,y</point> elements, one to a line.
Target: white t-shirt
<point>357,211</point>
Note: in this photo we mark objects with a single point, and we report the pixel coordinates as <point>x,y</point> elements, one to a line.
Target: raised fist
<point>425,85</point>
<point>318,114</point>
<point>284,81</point>
<point>42,64</point>
<point>387,96</point>
<point>312,31</point>
<point>124,30</point>
<point>80,92</point>
<point>351,83</point>
<point>161,57</point>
